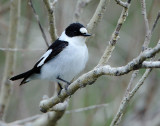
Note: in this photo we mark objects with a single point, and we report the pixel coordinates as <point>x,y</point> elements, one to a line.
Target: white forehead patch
<point>83,30</point>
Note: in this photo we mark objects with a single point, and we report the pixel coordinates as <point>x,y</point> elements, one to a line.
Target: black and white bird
<point>63,60</point>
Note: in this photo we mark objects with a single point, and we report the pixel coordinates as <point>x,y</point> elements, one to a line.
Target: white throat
<point>79,40</point>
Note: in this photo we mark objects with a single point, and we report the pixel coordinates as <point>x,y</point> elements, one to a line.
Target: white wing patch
<point>83,30</point>
<point>44,57</point>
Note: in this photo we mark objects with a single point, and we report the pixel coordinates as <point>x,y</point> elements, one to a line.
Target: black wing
<point>56,47</point>
<point>53,51</point>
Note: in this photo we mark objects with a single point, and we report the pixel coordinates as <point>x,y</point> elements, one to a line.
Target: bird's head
<point>75,31</point>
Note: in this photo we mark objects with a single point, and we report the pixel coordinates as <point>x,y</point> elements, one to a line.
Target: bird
<point>64,59</point>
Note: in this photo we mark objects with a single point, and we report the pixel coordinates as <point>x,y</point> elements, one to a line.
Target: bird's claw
<point>67,92</point>
<point>59,92</point>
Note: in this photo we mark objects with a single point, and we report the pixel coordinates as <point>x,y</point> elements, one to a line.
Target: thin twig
<point>123,4</point>
<point>6,87</point>
<point>97,15</point>
<point>27,28</point>
<point>81,4</point>
<point>48,119</point>
<point>147,30</point>
<point>144,13</point>
<point>51,18</point>
<point>140,83</point>
<point>144,47</point>
<point>145,44</point>
<point>50,6</point>
<point>126,99</point>
<point>19,50</point>
<point>134,75</point>
<point>146,41</point>
<point>37,19</point>
<point>87,108</point>
<point>30,119</point>
<point>51,117</point>
<point>115,36</point>
<point>23,121</point>
<point>155,23</point>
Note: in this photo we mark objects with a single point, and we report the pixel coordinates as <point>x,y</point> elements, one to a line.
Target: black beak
<point>86,34</point>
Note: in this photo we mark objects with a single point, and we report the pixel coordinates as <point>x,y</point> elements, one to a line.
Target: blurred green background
<point>107,89</point>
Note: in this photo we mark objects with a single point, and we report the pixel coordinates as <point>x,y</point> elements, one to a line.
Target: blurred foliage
<point>107,89</point>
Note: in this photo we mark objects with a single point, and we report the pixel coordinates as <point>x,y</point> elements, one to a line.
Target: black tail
<point>24,75</point>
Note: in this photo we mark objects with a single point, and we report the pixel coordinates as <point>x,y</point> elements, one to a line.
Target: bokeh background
<point>144,107</point>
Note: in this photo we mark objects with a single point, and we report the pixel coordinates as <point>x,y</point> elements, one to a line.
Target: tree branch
<point>151,64</point>
<point>54,103</point>
<point>97,15</point>
<point>33,118</point>
<point>147,30</point>
<point>123,4</point>
<point>127,98</point>
<point>155,23</point>
<point>6,86</point>
<point>51,18</point>
<point>147,40</point>
<point>87,108</point>
<point>37,19</point>
<point>48,119</point>
<point>19,50</point>
<point>145,43</point>
<point>26,120</point>
<point>115,36</point>
<point>52,117</point>
<point>91,76</point>
<point>81,4</point>
<point>134,75</point>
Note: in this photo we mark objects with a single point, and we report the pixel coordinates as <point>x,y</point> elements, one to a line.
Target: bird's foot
<point>59,92</point>
<point>63,80</point>
<point>66,88</point>
<point>60,89</point>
